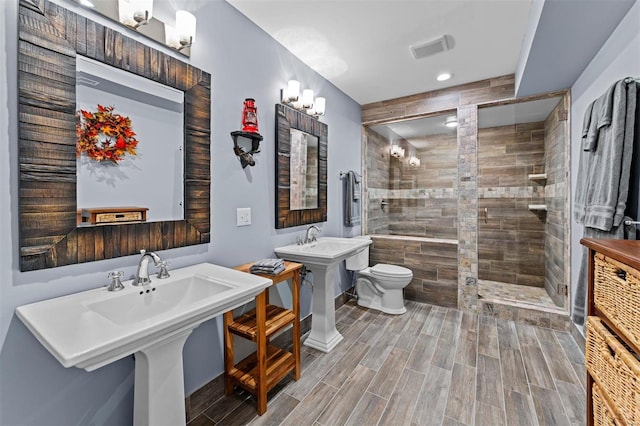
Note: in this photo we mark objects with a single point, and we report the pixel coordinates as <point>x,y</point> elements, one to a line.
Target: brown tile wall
<point>510,236</point>
<point>556,198</point>
<point>434,265</point>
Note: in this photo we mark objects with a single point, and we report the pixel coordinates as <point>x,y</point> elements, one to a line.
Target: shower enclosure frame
<point>467,184</point>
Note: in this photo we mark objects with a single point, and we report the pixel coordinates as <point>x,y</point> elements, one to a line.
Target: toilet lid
<point>385,270</point>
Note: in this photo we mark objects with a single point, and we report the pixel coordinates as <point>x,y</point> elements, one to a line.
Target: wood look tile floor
<point>430,366</point>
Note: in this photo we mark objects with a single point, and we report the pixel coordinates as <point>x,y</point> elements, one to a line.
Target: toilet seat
<point>386,270</point>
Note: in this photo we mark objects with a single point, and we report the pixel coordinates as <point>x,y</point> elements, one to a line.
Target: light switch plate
<point>243,216</point>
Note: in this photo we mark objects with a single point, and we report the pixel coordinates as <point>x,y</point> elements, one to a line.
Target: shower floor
<point>517,295</point>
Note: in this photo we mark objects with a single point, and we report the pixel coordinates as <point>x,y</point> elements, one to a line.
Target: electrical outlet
<point>243,216</point>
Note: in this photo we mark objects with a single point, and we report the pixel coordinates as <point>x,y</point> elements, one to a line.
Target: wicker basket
<point>603,414</point>
<point>616,293</point>
<point>614,369</point>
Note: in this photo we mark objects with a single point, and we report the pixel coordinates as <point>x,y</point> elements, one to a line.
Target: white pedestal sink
<point>96,327</point>
<point>322,258</point>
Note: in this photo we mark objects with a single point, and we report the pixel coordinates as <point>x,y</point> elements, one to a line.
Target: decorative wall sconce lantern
<point>247,142</point>
<point>396,151</point>
<point>135,13</point>
<point>305,102</point>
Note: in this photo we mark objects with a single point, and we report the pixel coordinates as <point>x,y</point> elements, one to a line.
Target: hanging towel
<point>603,172</point>
<point>351,199</point>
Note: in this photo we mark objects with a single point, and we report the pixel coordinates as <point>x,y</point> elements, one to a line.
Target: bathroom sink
<point>324,251</point>
<point>96,327</point>
<point>321,258</point>
<point>173,296</point>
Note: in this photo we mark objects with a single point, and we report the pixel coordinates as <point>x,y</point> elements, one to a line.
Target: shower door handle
<point>485,211</point>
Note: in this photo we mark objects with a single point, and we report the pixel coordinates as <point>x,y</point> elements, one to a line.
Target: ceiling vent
<point>429,48</point>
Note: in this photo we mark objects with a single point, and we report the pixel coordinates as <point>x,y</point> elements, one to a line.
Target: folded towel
<point>269,266</point>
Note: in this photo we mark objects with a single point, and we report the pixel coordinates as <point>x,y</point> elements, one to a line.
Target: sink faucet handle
<point>116,284</point>
<point>163,273</point>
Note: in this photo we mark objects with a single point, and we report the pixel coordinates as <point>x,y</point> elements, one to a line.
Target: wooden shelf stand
<point>263,369</point>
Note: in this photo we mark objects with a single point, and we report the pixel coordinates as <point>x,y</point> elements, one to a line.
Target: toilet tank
<point>360,260</point>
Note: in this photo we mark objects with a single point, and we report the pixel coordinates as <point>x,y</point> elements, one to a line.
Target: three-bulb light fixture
<point>136,13</point>
<point>305,102</point>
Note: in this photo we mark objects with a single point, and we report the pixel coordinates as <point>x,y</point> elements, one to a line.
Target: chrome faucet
<point>142,274</point>
<point>311,239</point>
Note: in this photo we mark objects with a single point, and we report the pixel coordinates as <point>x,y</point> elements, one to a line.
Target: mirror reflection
<point>304,171</point>
<point>150,177</point>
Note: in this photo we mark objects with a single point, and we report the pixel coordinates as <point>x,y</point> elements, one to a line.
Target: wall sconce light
<point>397,151</point>
<point>184,33</point>
<point>451,121</point>
<point>291,96</point>
<point>414,161</point>
<point>134,13</point>
<point>186,28</point>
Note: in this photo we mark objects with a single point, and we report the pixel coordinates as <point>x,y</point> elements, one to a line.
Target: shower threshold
<point>520,296</point>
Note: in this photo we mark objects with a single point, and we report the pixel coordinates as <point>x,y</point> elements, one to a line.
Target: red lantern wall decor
<point>250,116</point>
<point>247,142</point>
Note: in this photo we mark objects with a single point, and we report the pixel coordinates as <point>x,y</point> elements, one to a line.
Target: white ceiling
<point>362,46</point>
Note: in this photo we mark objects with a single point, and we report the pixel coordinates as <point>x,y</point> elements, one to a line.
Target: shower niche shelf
<point>538,207</point>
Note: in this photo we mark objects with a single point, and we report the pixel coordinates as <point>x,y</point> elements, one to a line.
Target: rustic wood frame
<point>50,36</point>
<point>287,118</point>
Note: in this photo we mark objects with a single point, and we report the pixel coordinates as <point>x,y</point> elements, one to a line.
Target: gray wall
<point>618,58</point>
<point>244,62</point>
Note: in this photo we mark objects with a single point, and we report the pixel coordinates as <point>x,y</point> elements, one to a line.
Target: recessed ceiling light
<point>451,121</point>
<point>444,76</point>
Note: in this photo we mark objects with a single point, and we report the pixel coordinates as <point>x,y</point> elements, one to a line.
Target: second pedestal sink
<point>321,257</point>
<point>96,327</point>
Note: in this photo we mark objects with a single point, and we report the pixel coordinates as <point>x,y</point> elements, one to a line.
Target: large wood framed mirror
<point>50,39</point>
<point>301,168</point>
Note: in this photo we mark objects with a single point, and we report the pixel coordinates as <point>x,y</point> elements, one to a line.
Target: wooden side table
<point>262,370</point>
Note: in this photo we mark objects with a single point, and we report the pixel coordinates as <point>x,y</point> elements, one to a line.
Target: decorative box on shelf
<point>106,215</point>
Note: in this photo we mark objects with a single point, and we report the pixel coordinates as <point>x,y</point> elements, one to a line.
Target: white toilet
<point>380,286</point>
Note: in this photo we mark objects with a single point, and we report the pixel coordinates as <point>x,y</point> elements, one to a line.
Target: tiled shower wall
<point>556,168</point>
<point>510,236</point>
<point>421,201</point>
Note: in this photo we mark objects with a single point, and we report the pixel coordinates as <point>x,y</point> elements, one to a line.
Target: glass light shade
<point>319,106</point>
<point>414,161</point>
<point>397,151</point>
<point>307,98</point>
<point>292,91</point>
<point>186,26</point>
<point>134,12</point>
<point>171,37</point>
